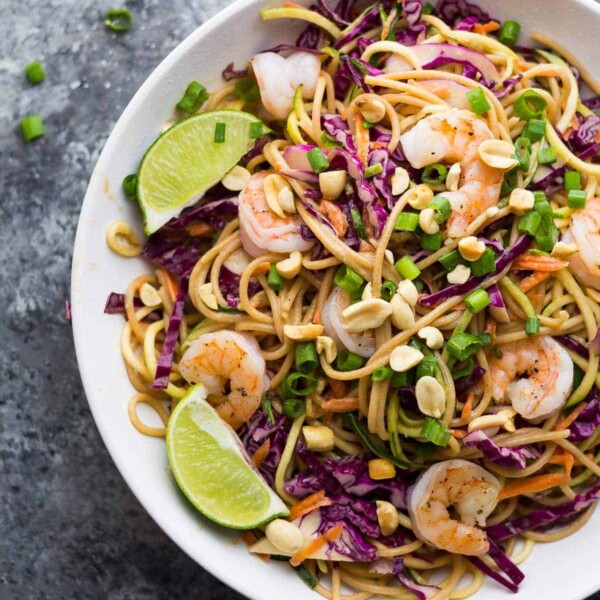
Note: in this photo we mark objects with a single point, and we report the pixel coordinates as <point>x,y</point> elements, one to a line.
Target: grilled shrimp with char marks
<point>231,367</point>
<point>470,490</point>
<point>454,136</point>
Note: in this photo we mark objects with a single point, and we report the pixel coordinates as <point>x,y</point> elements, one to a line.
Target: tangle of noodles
<point>547,290</point>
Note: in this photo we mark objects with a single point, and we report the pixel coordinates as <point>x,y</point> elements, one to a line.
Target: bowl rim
<point>212,23</point>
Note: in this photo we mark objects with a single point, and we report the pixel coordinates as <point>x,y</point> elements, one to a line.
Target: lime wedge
<point>184,162</point>
<point>210,467</point>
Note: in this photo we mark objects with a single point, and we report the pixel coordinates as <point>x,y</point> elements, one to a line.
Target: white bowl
<point>566,570</point>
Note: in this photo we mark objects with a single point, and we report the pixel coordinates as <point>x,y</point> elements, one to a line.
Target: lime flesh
<point>210,467</point>
<point>185,161</point>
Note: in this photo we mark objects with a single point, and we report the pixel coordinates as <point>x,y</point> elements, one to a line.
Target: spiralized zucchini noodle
<point>394,297</point>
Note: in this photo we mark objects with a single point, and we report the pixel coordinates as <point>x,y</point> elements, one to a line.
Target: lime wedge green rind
<point>210,467</point>
<point>184,162</point>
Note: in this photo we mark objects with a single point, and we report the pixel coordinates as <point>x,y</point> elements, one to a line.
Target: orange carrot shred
<point>539,483</point>
<point>261,453</point>
<point>340,405</point>
<point>528,262</point>
<point>199,229</point>
<point>317,317</point>
<point>529,282</point>
<point>316,544</point>
<point>361,135</point>
<point>564,424</point>
<point>467,408</point>
<point>338,388</point>
<point>262,268</point>
<point>458,434</point>
<point>486,27</point>
<point>171,283</point>
<point>309,504</point>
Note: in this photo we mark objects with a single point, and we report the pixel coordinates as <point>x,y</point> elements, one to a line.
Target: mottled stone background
<point>69,527</point>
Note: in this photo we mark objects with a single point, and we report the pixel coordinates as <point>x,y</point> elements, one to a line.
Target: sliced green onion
<point>529,222</point>
<point>427,367</point>
<point>129,185</point>
<point>306,358</point>
<point>530,105</point>
<point>268,408</point>
<point>317,160</point>
<point>431,241</point>
<point>194,98</point>
<point>257,130</point>
<point>576,198</point>
<point>451,260</point>
<point>35,72</point>
<point>347,279</point>
<point>118,19</point>
<point>535,129</point>
<point>541,204</point>
<point>509,183</point>
<point>434,174</point>
<point>306,575</point>
<point>462,345</point>
<point>572,180</point>
<point>388,289</point>
<point>401,380</point>
<point>508,34</point>
<point>547,234</point>
<point>274,279</point>
<point>435,432</point>
<point>298,384</point>
<point>547,156</point>
<point>532,325</point>
<point>523,153</point>
<point>381,374</point>
<point>32,127</point>
<point>294,407</point>
<point>427,9</point>
<point>247,90</point>
<point>368,125</point>
<point>328,142</point>
<point>497,352</point>
<point>442,208</point>
<point>419,285</point>
<point>486,338</point>
<point>478,101</point>
<point>358,224</point>
<point>373,170</point>
<point>348,361</point>
<point>464,371</point>
<point>220,129</point>
<point>407,268</point>
<point>478,300</point>
<point>485,264</point>
<point>407,221</point>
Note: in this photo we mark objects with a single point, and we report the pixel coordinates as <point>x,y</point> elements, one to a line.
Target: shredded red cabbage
<point>588,420</point>
<point>462,384</point>
<point>382,181</point>
<point>346,160</point>
<point>338,129</point>
<point>507,86</point>
<point>216,213</point>
<point>422,592</point>
<point>572,344</point>
<point>229,73</point>
<point>332,14</point>
<point>229,283</point>
<point>452,12</point>
<point>177,256</point>
<point>281,48</point>
<point>165,360</point>
<point>593,103</point>
<point>595,344</point>
<point>584,139</point>
<point>511,458</point>
<point>368,19</point>
<point>115,304</point>
<point>415,28</point>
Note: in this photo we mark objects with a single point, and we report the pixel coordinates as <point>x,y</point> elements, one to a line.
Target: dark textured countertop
<point>69,526</point>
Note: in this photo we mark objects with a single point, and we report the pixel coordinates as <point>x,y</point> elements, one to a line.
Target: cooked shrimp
<point>454,136</point>
<point>585,232</point>
<point>535,375</point>
<point>261,230</point>
<point>470,489</point>
<point>331,318</point>
<point>278,78</point>
<point>232,369</point>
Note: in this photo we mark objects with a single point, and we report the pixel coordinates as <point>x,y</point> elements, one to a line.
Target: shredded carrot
<point>340,405</point>
<point>316,545</point>
<point>262,268</point>
<point>484,28</point>
<point>566,422</point>
<point>565,459</point>
<point>467,408</point>
<point>248,538</point>
<point>539,483</point>
<point>338,388</point>
<point>529,262</point>
<point>309,504</point>
<point>458,434</point>
<point>261,453</point>
<point>365,246</point>
<point>490,327</point>
<point>172,286</point>
<point>532,280</point>
<point>361,136</point>
<point>199,229</point>
<point>317,317</point>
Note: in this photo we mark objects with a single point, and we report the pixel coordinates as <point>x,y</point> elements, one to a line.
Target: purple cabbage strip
<point>230,73</point>
<point>368,18</point>
<point>291,48</point>
<point>382,181</point>
<point>351,237</point>
<point>310,38</point>
<point>176,256</point>
<point>543,517</point>
<point>346,160</point>
<point>454,11</point>
<point>505,564</point>
<point>422,592</point>
<point>415,28</point>
<point>462,384</point>
<point>115,304</point>
<point>229,283</point>
<point>588,420</point>
<point>353,73</point>
<point>595,344</point>
<point>317,215</point>
<point>552,182</point>
<point>520,246</point>
<point>165,360</point>
<point>216,213</point>
<point>507,86</point>
<point>511,458</point>
<point>586,134</point>
<point>475,560</point>
<point>593,103</point>
<point>469,69</point>
<point>338,129</point>
<point>332,14</point>
<point>571,344</point>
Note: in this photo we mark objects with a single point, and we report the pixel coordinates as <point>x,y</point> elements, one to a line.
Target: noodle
<point>377,244</point>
